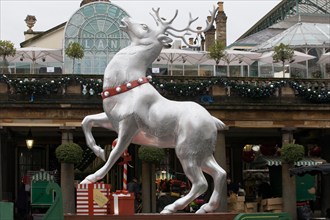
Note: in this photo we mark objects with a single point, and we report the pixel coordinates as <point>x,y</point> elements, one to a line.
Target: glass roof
<point>300,34</point>
<point>290,8</point>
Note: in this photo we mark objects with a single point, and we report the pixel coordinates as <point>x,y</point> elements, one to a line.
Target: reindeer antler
<point>182,38</point>
<point>191,20</point>
<point>158,19</point>
<point>166,25</point>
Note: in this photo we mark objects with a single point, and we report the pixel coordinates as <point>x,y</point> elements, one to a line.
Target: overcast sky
<point>242,14</point>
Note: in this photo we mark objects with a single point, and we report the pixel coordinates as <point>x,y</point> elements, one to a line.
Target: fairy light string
<point>191,88</point>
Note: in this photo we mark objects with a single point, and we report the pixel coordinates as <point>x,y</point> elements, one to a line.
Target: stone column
<point>288,183</point>
<point>146,186</point>
<point>1,165</point>
<point>220,157</point>
<point>67,136</point>
<point>67,176</point>
<point>287,135</point>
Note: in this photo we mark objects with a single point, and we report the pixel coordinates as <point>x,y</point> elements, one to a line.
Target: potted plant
<point>149,156</point>
<point>68,154</point>
<point>283,53</point>
<point>291,153</point>
<point>74,51</point>
<point>217,51</point>
<point>6,49</point>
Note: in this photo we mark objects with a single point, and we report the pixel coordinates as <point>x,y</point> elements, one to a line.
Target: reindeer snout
<point>124,22</point>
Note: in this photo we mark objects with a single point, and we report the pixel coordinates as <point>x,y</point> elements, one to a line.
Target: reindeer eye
<point>144,26</point>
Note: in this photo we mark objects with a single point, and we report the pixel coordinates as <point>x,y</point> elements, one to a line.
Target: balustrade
<point>78,87</point>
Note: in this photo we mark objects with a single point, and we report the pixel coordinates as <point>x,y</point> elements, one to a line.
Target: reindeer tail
<point>220,125</point>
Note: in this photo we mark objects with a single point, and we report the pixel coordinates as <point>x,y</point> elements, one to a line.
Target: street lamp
<point>29,140</point>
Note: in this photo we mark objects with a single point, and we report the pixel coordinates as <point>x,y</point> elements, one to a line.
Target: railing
<point>77,87</point>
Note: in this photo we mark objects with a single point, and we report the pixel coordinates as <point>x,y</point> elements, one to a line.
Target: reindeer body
<point>142,116</point>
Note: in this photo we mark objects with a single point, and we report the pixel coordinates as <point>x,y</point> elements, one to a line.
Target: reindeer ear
<point>164,39</point>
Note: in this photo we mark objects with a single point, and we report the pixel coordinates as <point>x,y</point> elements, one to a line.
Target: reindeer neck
<point>129,64</point>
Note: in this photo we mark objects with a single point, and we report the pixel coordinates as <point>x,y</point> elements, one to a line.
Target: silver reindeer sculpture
<point>139,114</point>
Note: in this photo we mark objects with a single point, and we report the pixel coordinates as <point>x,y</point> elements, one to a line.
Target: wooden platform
<point>178,216</point>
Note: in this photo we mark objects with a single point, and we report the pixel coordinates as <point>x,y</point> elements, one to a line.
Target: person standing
<point>133,187</point>
<point>22,202</point>
<point>231,187</point>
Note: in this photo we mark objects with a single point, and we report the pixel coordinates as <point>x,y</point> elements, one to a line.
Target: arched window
<point>95,27</point>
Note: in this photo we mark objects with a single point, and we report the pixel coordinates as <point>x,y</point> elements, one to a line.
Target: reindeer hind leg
<point>199,186</point>
<point>218,174</point>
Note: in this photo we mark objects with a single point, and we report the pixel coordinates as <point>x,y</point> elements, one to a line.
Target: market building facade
<point>267,112</point>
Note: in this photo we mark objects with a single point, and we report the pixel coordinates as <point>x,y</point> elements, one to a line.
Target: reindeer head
<point>142,34</point>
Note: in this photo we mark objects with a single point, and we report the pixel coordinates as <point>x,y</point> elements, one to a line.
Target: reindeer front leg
<point>127,130</point>
<point>87,124</point>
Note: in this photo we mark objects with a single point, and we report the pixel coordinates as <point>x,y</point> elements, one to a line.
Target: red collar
<point>124,87</point>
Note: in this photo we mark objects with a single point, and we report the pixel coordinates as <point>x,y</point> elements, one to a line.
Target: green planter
<point>68,154</point>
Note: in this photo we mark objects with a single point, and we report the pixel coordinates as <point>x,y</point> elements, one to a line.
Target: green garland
<point>202,87</point>
<point>191,89</point>
<point>47,86</point>
<point>184,89</point>
<point>321,95</point>
<point>254,91</point>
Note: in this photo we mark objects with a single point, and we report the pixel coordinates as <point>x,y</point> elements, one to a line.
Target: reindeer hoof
<point>200,211</point>
<point>166,212</point>
<point>206,208</point>
<point>86,181</point>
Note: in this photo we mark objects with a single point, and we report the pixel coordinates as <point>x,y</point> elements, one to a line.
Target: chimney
<point>191,41</point>
<point>220,6</point>
<point>221,24</point>
<point>209,36</point>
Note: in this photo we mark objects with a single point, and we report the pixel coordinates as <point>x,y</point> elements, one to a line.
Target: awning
<point>312,170</point>
<point>277,161</point>
<point>42,176</point>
